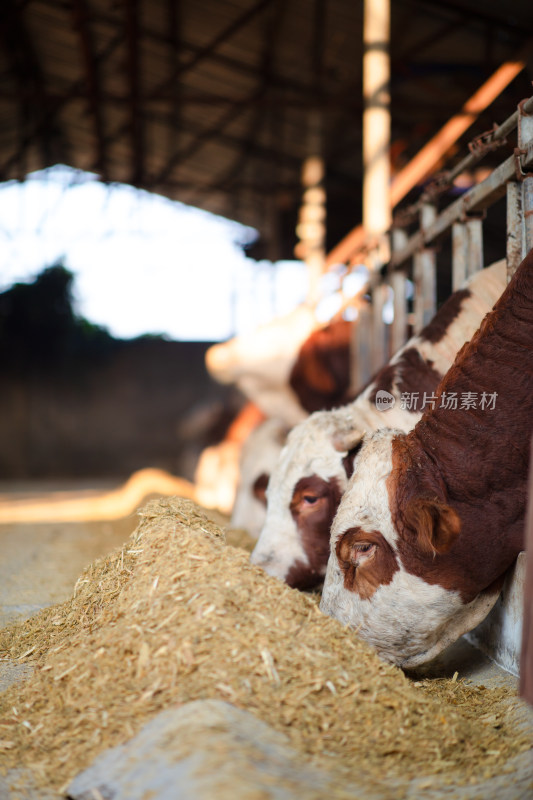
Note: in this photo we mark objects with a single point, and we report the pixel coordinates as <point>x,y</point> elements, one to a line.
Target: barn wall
<point>145,402</point>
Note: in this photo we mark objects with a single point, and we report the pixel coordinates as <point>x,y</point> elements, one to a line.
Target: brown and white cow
<point>313,470</point>
<point>288,367</point>
<point>259,456</point>
<point>320,376</point>
<point>432,519</point>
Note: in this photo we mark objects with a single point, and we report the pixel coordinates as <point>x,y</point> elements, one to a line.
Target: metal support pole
<point>398,334</point>
<point>361,349</point>
<point>527,187</point>
<point>525,148</point>
<point>379,298</point>
<point>515,227</point>
<point>459,254</point>
<point>467,250</point>
<point>398,282</point>
<point>424,274</point>
<point>376,117</point>
<point>526,651</point>
<point>474,229</point>
<point>311,227</point>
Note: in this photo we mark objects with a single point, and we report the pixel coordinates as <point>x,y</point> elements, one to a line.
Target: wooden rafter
<point>174,15</point>
<point>207,135</point>
<point>28,72</point>
<point>226,181</point>
<point>136,120</point>
<point>94,88</point>
<point>41,125</point>
<point>209,49</point>
<point>168,84</point>
<point>193,54</point>
<point>479,14</point>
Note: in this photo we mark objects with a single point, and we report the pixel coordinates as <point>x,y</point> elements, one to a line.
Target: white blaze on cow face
<point>408,620</point>
<point>302,497</point>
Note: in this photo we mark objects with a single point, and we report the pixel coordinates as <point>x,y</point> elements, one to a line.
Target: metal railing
<point>462,220</point>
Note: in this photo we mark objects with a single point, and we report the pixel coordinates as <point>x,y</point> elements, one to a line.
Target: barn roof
<point>214,102</point>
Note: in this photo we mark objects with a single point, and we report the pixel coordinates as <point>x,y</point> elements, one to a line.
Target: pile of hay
<point>177,615</point>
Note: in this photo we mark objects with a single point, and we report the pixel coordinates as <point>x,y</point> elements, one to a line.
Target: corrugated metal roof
<point>211,102</point>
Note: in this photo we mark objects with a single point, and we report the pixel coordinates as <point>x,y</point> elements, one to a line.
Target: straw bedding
<point>178,615</point>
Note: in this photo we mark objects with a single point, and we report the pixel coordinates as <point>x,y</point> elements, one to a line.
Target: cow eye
<point>362,552</point>
<point>310,499</point>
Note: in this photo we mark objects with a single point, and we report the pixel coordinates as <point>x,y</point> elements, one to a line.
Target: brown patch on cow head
<point>383,381</point>
<point>410,374</point>
<point>435,524</point>
<point>426,524</point>
<point>474,460</point>
<point>259,487</point>
<point>367,561</point>
<point>430,544</point>
<point>435,330</point>
<point>313,506</point>
<point>320,376</point>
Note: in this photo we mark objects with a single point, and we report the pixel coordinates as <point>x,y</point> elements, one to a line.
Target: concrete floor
<point>40,564</point>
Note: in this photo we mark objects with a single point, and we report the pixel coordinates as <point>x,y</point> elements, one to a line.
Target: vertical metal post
<point>526,652</point>
<point>525,142</point>
<point>527,188</point>
<point>474,235</point>
<point>311,227</point>
<point>398,334</point>
<point>376,117</point>
<point>379,298</point>
<point>515,227</point>
<point>398,282</point>
<point>459,255</point>
<point>424,274</point>
<point>467,250</point>
<point>361,349</point>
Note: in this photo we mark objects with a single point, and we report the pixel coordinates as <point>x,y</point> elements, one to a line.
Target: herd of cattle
<point>408,500</point>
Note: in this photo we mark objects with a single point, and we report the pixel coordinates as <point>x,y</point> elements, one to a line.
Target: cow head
<point>260,363</point>
<point>393,574</point>
<point>259,456</point>
<point>303,494</point>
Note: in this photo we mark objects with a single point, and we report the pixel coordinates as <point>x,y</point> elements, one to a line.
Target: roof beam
<point>28,72</point>
<point>236,170</point>
<point>52,109</point>
<point>136,121</point>
<point>175,18</point>
<point>169,82</point>
<point>208,50</point>
<point>477,14</point>
<point>207,135</point>
<point>196,51</point>
<point>94,88</point>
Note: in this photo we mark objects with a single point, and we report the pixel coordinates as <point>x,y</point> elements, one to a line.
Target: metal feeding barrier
<point>414,254</point>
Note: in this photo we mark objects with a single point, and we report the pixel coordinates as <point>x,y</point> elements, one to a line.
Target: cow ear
<point>435,524</point>
<point>260,486</point>
<point>346,440</point>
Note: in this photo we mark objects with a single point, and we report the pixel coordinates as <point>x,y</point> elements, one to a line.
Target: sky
<point>141,263</point>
